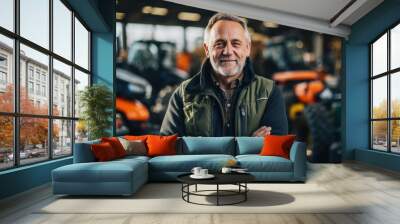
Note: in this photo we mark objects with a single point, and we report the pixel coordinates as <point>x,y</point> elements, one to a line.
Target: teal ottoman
<point>118,177</point>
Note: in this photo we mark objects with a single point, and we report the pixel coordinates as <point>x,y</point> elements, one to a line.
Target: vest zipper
<point>238,112</point>
<point>221,110</point>
<point>243,119</point>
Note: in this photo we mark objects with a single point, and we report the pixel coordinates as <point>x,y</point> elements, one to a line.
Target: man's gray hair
<point>224,16</point>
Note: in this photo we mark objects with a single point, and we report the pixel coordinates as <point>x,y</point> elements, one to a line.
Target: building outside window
<point>3,78</point>
<point>3,81</point>
<point>43,78</point>
<point>37,75</point>
<point>30,87</point>
<point>3,61</point>
<point>30,72</point>
<point>385,92</point>
<point>43,90</point>
<point>38,89</point>
<point>3,71</point>
<point>55,97</point>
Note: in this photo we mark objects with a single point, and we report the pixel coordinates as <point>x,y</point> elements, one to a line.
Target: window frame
<point>16,115</point>
<point>388,74</point>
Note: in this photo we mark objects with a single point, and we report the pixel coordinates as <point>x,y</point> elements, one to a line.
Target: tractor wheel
<point>321,130</point>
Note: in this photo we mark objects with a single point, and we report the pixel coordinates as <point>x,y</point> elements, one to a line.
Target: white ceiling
<point>314,15</point>
<point>320,9</point>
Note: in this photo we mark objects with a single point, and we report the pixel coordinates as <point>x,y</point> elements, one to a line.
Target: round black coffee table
<point>238,179</point>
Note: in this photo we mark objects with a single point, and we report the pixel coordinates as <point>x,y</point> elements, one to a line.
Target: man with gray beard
<point>226,98</point>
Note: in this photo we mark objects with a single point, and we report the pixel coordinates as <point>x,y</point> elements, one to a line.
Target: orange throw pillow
<point>116,145</point>
<point>161,145</point>
<point>277,145</point>
<point>136,137</point>
<point>103,152</point>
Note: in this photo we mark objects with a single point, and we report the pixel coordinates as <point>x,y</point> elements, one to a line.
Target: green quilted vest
<point>250,108</point>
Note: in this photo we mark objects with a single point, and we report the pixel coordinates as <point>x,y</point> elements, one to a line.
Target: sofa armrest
<point>299,159</point>
<point>83,152</point>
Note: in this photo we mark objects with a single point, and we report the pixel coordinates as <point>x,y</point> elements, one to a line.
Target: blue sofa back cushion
<point>207,145</point>
<point>83,153</point>
<point>249,145</point>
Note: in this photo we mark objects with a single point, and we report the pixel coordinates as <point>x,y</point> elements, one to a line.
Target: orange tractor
<point>313,108</point>
<point>143,76</point>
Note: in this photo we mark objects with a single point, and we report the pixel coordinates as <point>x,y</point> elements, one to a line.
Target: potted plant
<point>96,104</point>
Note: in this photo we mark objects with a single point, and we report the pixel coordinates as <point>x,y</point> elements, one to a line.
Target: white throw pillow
<point>134,147</point>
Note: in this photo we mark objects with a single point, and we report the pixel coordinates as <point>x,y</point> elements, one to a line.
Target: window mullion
<point>389,106</point>
<point>73,82</point>
<point>50,79</point>
<point>371,98</point>
<point>16,84</point>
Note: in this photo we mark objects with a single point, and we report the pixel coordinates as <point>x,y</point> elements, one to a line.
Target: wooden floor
<point>377,188</point>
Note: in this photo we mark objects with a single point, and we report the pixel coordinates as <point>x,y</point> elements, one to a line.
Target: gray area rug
<point>166,198</point>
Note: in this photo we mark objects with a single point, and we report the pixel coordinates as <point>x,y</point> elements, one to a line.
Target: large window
<point>44,64</point>
<point>385,92</point>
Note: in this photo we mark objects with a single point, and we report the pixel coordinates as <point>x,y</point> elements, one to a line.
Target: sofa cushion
<point>208,145</point>
<point>136,137</point>
<point>249,145</point>
<point>277,145</point>
<point>103,152</point>
<point>161,145</point>
<point>83,152</point>
<point>116,145</point>
<point>134,147</point>
<point>112,171</point>
<point>185,163</point>
<point>133,158</point>
<point>257,163</point>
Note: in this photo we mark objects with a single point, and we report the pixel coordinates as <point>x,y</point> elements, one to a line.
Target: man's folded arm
<point>173,122</point>
<point>275,113</point>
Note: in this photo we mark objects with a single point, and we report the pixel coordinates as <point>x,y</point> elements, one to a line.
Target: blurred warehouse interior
<point>159,44</point>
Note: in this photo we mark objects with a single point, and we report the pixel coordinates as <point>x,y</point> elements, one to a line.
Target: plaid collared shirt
<point>229,96</point>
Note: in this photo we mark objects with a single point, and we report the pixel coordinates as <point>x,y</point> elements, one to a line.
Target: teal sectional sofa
<point>125,176</point>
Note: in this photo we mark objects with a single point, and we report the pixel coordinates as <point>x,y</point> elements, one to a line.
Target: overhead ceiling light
<point>270,24</point>
<point>147,9</point>
<point>189,16</point>
<point>159,11</point>
<point>258,37</point>
<point>120,15</point>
